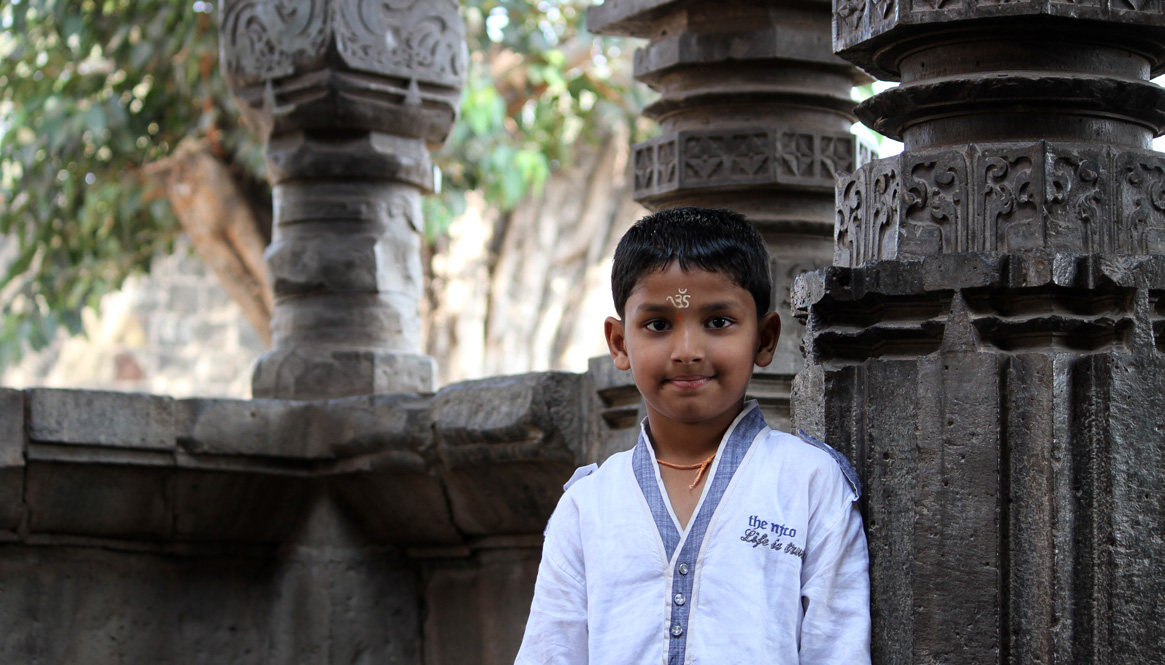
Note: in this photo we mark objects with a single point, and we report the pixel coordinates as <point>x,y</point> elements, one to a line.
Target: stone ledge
<point>412,469</point>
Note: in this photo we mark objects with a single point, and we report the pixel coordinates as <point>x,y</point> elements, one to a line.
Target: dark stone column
<point>987,346</point>
<point>351,96</point>
<point>754,111</point>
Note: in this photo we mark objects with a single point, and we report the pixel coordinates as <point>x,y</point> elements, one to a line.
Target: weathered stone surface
<point>479,605</point>
<point>615,410</point>
<point>85,417</point>
<point>11,458</point>
<point>508,444</point>
<point>1000,458</point>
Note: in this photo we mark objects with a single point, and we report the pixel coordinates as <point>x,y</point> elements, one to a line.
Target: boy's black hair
<point>720,241</point>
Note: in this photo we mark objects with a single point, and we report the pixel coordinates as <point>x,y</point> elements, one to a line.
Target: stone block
<point>260,427</point>
<point>477,609</point>
<point>92,499</point>
<point>97,418</point>
<point>11,458</point>
<point>252,506</point>
<point>508,444</point>
<point>320,373</point>
<point>615,409</point>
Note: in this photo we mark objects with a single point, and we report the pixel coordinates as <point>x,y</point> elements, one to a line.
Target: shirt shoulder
<point>809,453</point>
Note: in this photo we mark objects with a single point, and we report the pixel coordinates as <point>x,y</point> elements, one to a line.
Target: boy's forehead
<point>673,274</point>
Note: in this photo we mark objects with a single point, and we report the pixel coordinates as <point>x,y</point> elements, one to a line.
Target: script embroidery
<point>758,533</point>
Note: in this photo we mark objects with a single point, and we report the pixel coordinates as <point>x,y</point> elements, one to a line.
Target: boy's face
<point>690,340</point>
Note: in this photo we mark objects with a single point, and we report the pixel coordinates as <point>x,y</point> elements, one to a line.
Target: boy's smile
<point>690,339</point>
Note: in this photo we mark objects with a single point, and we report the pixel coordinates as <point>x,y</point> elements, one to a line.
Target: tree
<point>113,114</point>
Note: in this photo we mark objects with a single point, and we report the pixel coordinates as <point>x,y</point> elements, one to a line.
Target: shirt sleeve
<point>556,632</point>
<point>835,592</point>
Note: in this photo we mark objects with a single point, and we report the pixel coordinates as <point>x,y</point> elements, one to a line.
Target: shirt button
<point>676,630</point>
<point>679,599</point>
<point>683,569</point>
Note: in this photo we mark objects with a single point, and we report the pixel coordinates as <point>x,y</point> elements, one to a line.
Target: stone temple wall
<point>172,332</point>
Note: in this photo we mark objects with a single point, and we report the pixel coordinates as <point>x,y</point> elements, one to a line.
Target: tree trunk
<point>222,227</point>
<point>528,290</point>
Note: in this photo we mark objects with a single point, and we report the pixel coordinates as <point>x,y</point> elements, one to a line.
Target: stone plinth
<point>351,96</point>
<point>755,112</point>
<point>986,346</point>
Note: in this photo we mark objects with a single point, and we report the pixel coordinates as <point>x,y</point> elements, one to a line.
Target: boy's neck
<point>688,443</point>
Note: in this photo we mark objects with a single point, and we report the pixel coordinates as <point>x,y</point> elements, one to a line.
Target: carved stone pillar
<point>755,112</point>
<point>987,347</point>
<point>351,95</point>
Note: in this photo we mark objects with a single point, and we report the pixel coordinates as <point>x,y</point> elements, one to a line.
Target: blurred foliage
<point>90,92</point>
<point>93,91</point>
<point>538,83</point>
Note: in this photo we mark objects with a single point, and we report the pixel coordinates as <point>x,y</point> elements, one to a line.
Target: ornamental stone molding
<point>351,95</point>
<point>1061,197</point>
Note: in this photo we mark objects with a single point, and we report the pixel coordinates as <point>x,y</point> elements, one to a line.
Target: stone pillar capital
<point>349,65</point>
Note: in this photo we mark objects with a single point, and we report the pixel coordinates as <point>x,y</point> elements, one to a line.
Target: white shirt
<point>772,567</point>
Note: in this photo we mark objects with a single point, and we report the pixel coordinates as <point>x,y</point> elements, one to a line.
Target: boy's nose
<point>688,347</point>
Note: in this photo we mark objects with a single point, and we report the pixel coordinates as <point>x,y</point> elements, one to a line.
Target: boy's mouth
<point>688,381</point>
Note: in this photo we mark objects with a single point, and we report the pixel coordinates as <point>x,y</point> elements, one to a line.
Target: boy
<point>715,539</point>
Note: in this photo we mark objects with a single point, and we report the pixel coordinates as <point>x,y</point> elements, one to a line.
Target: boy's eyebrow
<point>663,308</point>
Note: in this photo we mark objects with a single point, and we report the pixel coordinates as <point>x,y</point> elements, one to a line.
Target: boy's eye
<point>719,322</point>
<point>656,325</point>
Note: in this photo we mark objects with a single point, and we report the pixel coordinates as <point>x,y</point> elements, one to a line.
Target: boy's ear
<point>768,332</point>
<point>617,343</point>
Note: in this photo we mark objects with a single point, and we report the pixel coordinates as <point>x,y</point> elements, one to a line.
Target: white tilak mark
<point>680,300</point>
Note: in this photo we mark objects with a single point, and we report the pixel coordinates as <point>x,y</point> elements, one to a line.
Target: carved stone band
<point>744,156</point>
<point>1059,197</point>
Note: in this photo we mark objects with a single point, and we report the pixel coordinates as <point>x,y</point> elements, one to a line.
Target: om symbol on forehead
<point>680,300</point>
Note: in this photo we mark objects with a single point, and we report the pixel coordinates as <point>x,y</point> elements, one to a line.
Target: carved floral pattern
<point>850,12</point>
<point>645,166</point>
<point>704,158</point>
<point>849,225</point>
<point>1077,203</point>
<point>414,39</point>
<point>751,155</point>
<point>422,39</point>
<point>935,205</point>
<point>1008,219</point>
<point>797,155</point>
<point>1052,196</point>
<point>266,40</point>
<point>837,155</point>
<point>668,163</point>
<point>1142,220</point>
